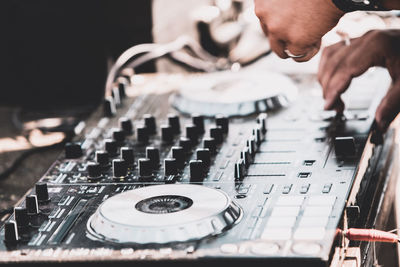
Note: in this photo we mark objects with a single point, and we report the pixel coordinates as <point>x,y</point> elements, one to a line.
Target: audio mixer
<point>229,166</point>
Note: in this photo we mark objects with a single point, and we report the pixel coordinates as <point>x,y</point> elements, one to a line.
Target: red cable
<point>371,235</point>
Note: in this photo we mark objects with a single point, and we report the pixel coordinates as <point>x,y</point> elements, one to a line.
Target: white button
<point>317,211</point>
<point>281,222</point>
<point>276,233</point>
<point>321,201</point>
<point>285,211</point>
<point>290,201</point>
<point>229,248</point>
<point>309,233</point>
<point>313,221</point>
<point>306,248</point>
<point>264,248</point>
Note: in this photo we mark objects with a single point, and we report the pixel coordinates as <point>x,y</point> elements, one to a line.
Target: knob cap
<point>111,147</point>
<point>252,145</point>
<point>192,133</point>
<point>217,134</point>
<point>196,168</point>
<point>173,121</point>
<point>21,217</point>
<point>120,168</point>
<point>204,155</point>
<point>116,96</point>
<point>262,121</point>
<point>41,192</point>
<point>150,123</point>
<point>128,155</point>
<point>109,107</point>
<point>179,154</point>
<point>10,232</point>
<point>145,168</point>
<point>209,143</point>
<point>94,170</point>
<point>31,204</point>
<point>126,125</point>
<point>167,134</point>
<point>240,170</point>
<point>345,146</point>
<point>142,134</point>
<point>186,144</point>
<point>223,122</point>
<point>119,135</point>
<point>257,135</point>
<point>122,89</point>
<point>245,155</point>
<point>170,167</point>
<point>198,121</point>
<point>153,154</point>
<point>102,157</point>
<point>73,150</point>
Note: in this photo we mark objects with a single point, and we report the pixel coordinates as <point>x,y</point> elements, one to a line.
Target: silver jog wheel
<point>164,214</point>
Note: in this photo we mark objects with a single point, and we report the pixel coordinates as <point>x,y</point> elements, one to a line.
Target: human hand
<point>340,64</point>
<point>297,26</point>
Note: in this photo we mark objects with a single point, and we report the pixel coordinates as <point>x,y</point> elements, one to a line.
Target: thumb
<point>389,107</point>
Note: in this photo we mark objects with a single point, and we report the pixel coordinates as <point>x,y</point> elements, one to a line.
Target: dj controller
<point>229,167</point>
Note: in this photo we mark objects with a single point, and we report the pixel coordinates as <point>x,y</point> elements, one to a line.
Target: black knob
<point>209,143</point>
<point>167,134</point>
<point>116,96</point>
<point>153,154</point>
<point>262,121</point>
<point>142,134</point>
<point>217,134</point>
<point>41,192</point>
<point>111,147</point>
<point>173,121</point>
<point>102,157</point>
<point>252,145</point>
<point>73,150</point>
<point>186,144</point>
<point>245,155</point>
<point>126,125</point>
<point>196,168</point>
<point>94,170</point>
<point>120,168</point>
<point>170,167</point>
<point>21,217</point>
<point>204,155</point>
<point>345,146</point>
<point>240,170</point>
<point>257,135</point>
<point>179,154</point>
<point>31,204</point>
<point>150,123</point>
<point>10,232</point>
<point>128,155</point>
<point>198,121</point>
<point>192,133</point>
<point>119,135</point>
<point>122,89</point>
<point>109,107</point>
<point>145,168</point>
<point>223,122</point>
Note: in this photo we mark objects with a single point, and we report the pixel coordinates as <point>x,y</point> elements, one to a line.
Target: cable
<point>371,235</point>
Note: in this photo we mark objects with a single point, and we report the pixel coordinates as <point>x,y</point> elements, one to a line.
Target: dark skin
<point>298,26</point>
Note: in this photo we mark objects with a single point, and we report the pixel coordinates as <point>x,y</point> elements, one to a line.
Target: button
<point>223,122</point>
<point>229,248</point>
<point>317,211</point>
<point>327,188</point>
<point>313,221</point>
<point>345,146</point>
<point>10,232</point>
<point>258,136</point>
<point>304,188</point>
<point>109,107</point>
<point>170,167</point>
<point>251,144</point>
<point>94,170</point>
<point>118,135</point>
<point>115,95</point>
<point>21,217</point>
<point>240,170</point>
<point>73,150</point>
<point>178,154</point>
<point>306,248</point>
<point>321,201</point>
<point>196,168</point>
<point>153,154</point>
<point>122,89</point>
<point>150,123</point>
<point>126,125</point>
<point>31,204</point>
<point>192,133</point>
<point>204,155</point>
<point>286,189</point>
<point>142,134</point>
<point>173,121</point>
<point>262,121</point>
<point>285,211</point>
<point>102,158</point>
<point>198,121</point>
<point>309,233</point>
<point>111,147</point>
<point>276,233</point>
<point>268,188</point>
<point>145,168</point>
<point>281,222</point>
<point>186,144</point>
<point>217,134</point>
<point>290,201</point>
<point>264,249</point>
<point>128,155</point>
<point>41,192</point>
<point>209,143</point>
<point>120,168</point>
<point>167,134</point>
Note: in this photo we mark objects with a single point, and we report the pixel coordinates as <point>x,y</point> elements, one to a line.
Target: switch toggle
<point>345,146</point>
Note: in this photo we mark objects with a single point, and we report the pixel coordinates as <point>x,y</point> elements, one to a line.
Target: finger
<point>307,52</point>
<point>326,56</point>
<point>388,108</point>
